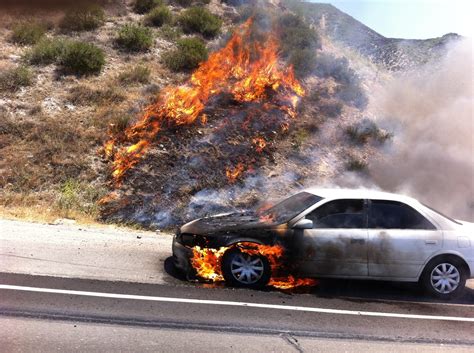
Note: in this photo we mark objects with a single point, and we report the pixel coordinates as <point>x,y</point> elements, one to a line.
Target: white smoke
<point>431,113</point>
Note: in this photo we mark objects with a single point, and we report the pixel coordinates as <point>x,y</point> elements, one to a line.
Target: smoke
<point>431,114</point>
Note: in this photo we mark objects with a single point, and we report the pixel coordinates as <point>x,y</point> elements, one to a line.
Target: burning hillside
<point>248,73</point>
<point>278,102</point>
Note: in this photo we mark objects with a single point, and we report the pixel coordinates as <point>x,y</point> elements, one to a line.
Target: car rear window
<point>396,215</point>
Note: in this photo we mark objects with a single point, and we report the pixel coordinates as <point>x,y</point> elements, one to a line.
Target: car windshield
<point>291,207</point>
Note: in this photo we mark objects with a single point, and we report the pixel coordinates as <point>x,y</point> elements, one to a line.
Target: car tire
<point>243,270</point>
<point>444,277</point>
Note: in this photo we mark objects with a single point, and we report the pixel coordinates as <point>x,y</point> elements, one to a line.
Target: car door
<point>337,243</point>
<point>401,239</point>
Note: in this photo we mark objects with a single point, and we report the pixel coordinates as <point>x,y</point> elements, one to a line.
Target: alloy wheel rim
<point>445,278</point>
<point>247,269</point>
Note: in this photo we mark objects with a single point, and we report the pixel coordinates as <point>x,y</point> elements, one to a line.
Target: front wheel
<point>444,278</point>
<point>244,270</point>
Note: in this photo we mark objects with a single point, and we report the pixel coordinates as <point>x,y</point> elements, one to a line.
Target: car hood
<point>226,222</point>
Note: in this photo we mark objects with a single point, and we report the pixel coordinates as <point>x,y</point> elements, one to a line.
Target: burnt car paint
<point>227,230</point>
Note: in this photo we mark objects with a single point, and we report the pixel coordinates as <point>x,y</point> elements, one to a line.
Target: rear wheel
<point>444,277</point>
<point>244,270</point>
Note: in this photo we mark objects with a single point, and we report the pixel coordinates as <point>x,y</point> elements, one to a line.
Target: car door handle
<point>431,242</point>
<point>357,240</point>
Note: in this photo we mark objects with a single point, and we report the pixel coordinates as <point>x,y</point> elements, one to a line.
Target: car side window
<point>339,214</point>
<point>396,215</point>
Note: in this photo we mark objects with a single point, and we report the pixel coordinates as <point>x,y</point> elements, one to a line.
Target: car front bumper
<point>182,257</point>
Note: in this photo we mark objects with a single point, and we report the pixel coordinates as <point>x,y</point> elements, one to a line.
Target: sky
<point>411,19</point>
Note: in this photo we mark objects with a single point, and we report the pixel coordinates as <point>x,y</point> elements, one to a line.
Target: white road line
<point>230,303</point>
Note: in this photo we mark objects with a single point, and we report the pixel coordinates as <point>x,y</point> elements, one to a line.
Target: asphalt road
<point>55,296</point>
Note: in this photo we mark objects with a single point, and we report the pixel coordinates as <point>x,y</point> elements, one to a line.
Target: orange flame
<point>207,263</point>
<point>247,70</point>
<point>259,143</point>
<point>234,173</point>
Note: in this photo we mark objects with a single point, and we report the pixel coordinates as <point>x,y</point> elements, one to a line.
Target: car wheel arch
<point>452,255</point>
<point>235,241</point>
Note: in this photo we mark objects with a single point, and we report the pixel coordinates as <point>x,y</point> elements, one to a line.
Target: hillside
<point>146,137</point>
<point>391,53</point>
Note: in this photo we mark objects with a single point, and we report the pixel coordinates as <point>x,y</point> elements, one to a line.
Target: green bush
<point>82,58</point>
<point>46,51</point>
<point>13,79</point>
<point>158,16</point>
<point>183,3</point>
<point>27,33</point>
<point>136,74</point>
<point>144,6</point>
<point>356,164</point>
<point>188,55</point>
<point>303,61</point>
<point>83,18</point>
<point>299,43</point>
<point>200,20</point>
<point>170,33</point>
<point>134,38</point>
<point>365,131</point>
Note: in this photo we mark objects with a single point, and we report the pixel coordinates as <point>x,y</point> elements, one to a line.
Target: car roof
<point>359,194</point>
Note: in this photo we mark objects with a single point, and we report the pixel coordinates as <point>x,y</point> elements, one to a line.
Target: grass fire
<point>247,70</point>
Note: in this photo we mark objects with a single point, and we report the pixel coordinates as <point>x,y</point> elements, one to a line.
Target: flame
<point>207,263</point>
<point>259,143</point>
<point>234,173</point>
<point>291,282</point>
<point>249,71</point>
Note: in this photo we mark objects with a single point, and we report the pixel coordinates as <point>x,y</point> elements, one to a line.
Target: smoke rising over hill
<point>432,155</point>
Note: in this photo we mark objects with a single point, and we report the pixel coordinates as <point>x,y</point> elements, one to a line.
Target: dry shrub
<point>84,95</point>
<point>15,78</point>
<point>135,74</point>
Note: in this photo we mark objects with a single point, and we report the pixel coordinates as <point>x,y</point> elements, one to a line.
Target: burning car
<point>339,233</point>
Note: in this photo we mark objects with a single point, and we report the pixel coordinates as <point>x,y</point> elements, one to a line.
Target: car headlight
<point>191,240</point>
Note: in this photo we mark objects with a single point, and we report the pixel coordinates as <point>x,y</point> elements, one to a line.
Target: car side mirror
<point>303,224</point>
